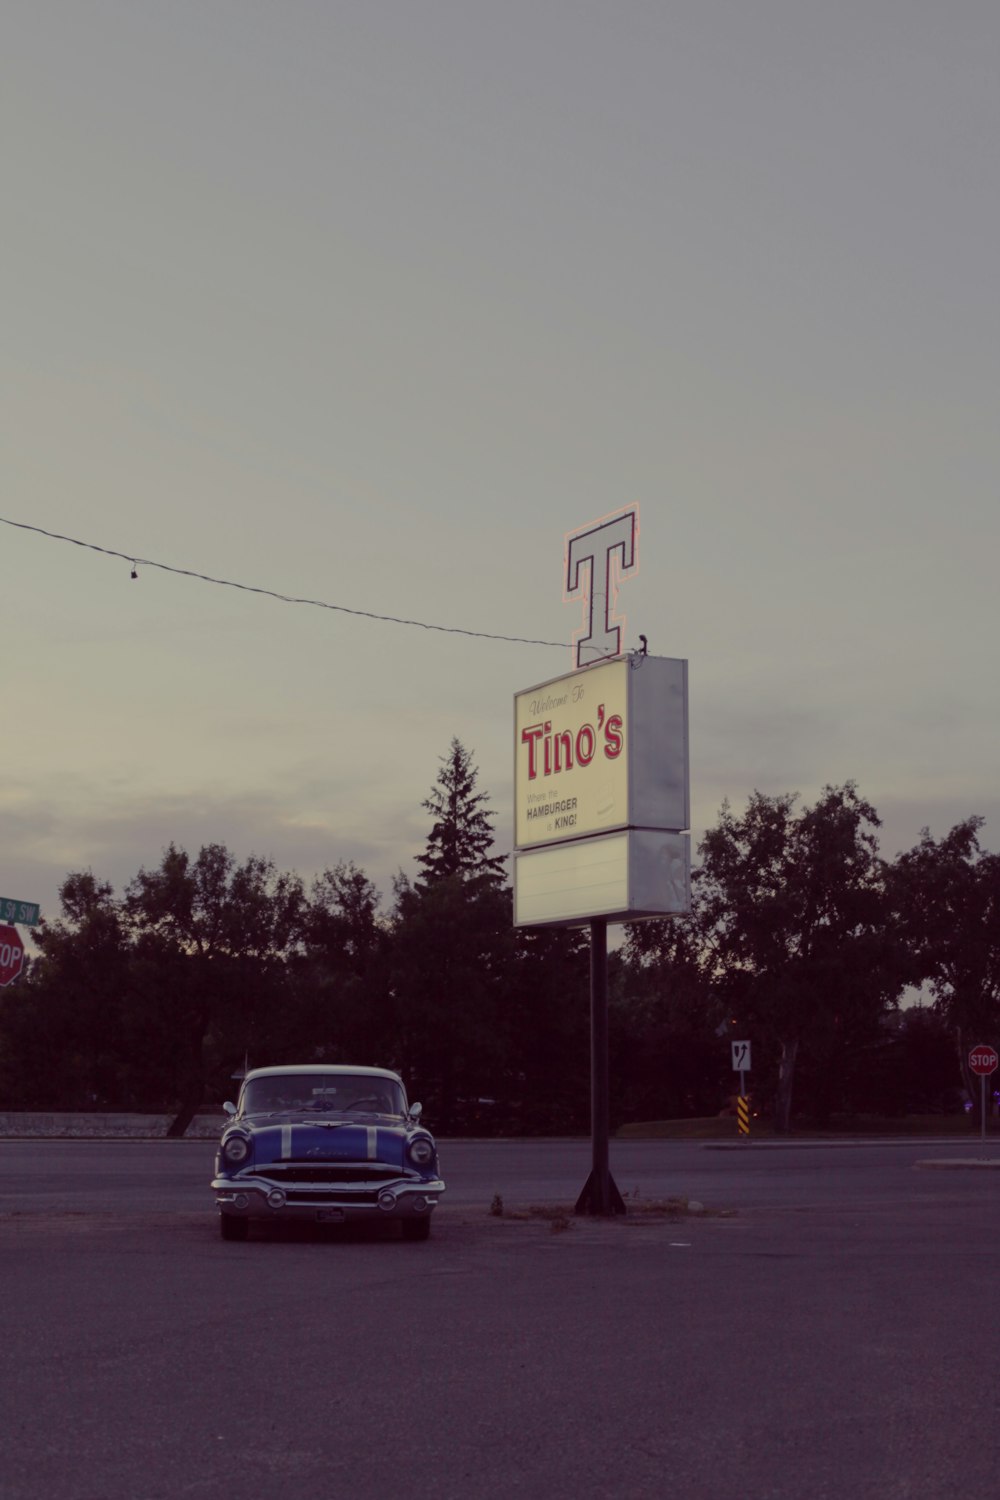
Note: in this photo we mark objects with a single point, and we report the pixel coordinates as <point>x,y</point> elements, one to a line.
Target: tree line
<point>802,938</point>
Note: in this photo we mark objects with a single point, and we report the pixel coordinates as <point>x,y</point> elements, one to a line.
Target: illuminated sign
<point>601,749</point>
<point>601,786</point>
<point>596,561</point>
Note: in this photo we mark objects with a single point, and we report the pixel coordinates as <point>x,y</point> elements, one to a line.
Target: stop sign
<point>11,954</point>
<point>983,1060</point>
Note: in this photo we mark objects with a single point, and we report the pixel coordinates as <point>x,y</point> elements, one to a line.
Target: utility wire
<point>248,588</point>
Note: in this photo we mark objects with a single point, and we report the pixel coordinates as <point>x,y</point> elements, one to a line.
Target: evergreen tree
<point>452,948</point>
<point>462,834</point>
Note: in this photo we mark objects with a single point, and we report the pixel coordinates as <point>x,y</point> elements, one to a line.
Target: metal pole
<point>982,1113</point>
<point>600,1108</point>
<point>600,1194</point>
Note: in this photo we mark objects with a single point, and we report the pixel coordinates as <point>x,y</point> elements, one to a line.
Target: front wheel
<point>416,1229</point>
<point>232,1228</point>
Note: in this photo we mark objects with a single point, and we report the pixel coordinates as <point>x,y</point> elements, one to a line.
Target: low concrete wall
<point>30,1124</point>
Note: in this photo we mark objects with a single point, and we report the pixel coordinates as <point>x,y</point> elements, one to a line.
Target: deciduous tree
<point>62,1028</point>
<point>796,910</point>
<point>946,894</point>
<point>343,975</point>
<point>223,933</point>
<point>669,1060</point>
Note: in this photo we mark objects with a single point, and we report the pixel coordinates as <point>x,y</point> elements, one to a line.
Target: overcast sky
<point>371,303</point>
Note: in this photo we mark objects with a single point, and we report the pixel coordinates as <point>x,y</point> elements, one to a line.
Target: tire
<point>232,1228</point>
<point>416,1229</point>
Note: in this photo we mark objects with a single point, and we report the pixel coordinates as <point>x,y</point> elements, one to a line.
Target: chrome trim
<point>303,1200</point>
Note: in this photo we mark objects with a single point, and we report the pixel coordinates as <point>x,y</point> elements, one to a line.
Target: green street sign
<point>25,912</point>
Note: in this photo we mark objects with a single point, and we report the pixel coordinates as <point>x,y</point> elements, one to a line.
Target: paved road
<point>120,1176</point>
<point>838,1336</point>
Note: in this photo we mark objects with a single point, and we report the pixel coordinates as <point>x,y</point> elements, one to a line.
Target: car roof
<point>332,1070</point>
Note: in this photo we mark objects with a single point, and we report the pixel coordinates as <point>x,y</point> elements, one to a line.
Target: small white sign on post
<point>741,1057</point>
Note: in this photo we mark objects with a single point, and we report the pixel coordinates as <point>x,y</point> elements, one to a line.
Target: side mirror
<point>416,1110</point>
<point>229,1109</point>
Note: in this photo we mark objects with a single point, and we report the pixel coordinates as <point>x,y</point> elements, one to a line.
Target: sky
<point>373,303</point>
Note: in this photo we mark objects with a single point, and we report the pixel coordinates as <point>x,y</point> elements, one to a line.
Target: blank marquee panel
<point>620,876</point>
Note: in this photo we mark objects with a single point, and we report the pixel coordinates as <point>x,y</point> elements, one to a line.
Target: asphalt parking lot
<point>833,1332</point>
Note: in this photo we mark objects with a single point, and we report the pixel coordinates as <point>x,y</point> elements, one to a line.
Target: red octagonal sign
<point>11,954</point>
<point>984,1060</point>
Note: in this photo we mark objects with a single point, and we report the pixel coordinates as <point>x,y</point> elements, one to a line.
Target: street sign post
<point>983,1060</point>
<point>741,1057</point>
<point>741,1065</point>
<point>11,954</point>
<point>26,913</point>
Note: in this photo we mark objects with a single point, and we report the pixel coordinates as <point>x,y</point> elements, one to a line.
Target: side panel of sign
<point>659,777</point>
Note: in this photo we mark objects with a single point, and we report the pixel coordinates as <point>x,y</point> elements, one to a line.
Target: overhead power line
<point>249,588</point>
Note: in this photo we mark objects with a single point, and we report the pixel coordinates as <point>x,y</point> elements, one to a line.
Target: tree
<point>545,1030</point>
<point>343,975</point>
<point>453,947</point>
<point>219,934</point>
<point>452,956</point>
<point>796,914</point>
<point>910,1068</point>
<point>668,1056</point>
<point>62,1026</point>
<point>154,999</point>
<point>946,895</point>
<point>462,834</point>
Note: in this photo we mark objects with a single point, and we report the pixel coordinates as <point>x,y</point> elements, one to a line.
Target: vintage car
<point>326,1145</point>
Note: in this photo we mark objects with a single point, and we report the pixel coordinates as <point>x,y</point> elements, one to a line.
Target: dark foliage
<point>801,939</point>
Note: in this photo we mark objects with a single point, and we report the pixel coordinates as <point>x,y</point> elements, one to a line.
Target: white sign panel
<point>741,1057</point>
<point>621,876</point>
<point>600,749</point>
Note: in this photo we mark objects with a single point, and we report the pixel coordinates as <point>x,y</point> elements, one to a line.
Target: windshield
<point>322,1093</point>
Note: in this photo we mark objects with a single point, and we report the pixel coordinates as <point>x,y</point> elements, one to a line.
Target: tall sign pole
<point>600,1193</point>
<point>601,791</point>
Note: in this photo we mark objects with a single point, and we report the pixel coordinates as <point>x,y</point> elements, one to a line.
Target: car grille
<point>342,1196</point>
<point>336,1171</point>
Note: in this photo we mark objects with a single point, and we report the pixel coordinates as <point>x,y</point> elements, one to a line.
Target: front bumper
<point>257,1197</point>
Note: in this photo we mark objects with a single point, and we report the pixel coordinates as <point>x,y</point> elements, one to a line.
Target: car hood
<point>294,1140</point>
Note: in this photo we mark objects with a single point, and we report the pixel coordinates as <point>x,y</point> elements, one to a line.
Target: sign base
<point>600,1197</point>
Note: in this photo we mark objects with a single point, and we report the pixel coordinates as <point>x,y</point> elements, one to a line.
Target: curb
<point>828,1145</point>
<point>957,1163</point>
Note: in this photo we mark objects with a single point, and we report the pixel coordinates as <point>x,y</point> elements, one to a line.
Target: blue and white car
<point>325,1145</point>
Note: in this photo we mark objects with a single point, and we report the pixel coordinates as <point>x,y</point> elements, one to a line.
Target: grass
<point>561,1217</point>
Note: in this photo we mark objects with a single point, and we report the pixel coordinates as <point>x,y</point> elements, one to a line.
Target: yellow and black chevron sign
<point>743,1115</point>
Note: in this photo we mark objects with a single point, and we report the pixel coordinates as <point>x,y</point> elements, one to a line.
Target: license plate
<point>329,1215</point>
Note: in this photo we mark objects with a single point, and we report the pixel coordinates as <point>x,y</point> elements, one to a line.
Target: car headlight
<point>422,1151</point>
<point>236,1150</point>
